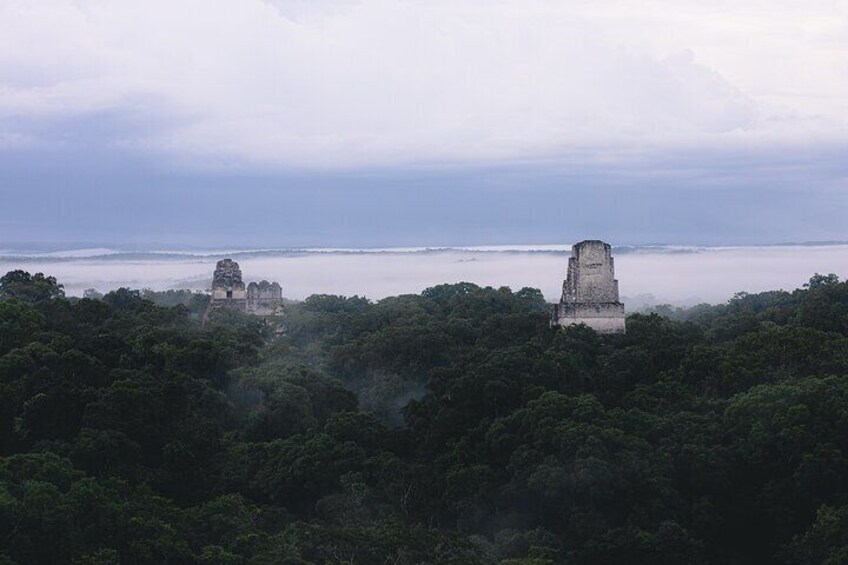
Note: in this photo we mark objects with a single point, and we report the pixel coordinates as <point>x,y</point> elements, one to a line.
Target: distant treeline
<point>454,426</point>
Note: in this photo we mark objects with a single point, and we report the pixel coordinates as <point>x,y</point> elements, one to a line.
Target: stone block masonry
<point>228,291</point>
<point>590,291</point>
<point>264,298</point>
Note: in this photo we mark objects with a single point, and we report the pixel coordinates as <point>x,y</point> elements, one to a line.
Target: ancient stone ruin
<point>590,291</point>
<point>228,291</point>
<point>264,298</point>
<point>227,287</point>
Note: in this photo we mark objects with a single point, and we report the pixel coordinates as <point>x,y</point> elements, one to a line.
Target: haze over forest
<point>648,276</point>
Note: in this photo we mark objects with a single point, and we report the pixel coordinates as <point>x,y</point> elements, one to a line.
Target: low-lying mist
<point>646,275</point>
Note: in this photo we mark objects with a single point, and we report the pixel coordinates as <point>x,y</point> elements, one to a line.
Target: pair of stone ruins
<point>228,291</point>
<point>589,293</point>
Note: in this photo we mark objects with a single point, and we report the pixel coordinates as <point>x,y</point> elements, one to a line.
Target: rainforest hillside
<point>454,426</point>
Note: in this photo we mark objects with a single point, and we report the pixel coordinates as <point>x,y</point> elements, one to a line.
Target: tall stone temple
<point>228,291</point>
<point>590,291</point>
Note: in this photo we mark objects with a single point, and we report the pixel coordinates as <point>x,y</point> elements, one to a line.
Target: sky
<point>369,123</point>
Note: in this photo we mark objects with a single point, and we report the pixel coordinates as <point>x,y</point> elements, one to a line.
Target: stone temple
<point>590,291</point>
<point>227,287</point>
<point>228,291</point>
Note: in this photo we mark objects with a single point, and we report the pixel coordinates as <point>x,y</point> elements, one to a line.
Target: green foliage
<point>32,289</point>
<point>453,426</point>
<point>291,400</point>
<point>825,542</point>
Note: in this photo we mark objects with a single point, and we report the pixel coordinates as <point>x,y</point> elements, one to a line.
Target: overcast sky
<point>380,122</point>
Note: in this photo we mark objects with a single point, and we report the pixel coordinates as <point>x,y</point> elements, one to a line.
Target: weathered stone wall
<point>590,275</point>
<point>228,294</point>
<point>227,287</point>
<point>227,275</point>
<point>264,298</point>
<point>590,291</point>
<point>603,317</point>
<point>228,291</point>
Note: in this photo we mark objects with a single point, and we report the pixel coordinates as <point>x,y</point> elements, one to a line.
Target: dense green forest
<point>454,426</point>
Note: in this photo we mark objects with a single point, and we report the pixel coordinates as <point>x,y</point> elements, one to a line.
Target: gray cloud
<point>380,122</point>
<point>377,82</point>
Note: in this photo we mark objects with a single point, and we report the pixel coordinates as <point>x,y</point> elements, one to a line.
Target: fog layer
<point>645,275</point>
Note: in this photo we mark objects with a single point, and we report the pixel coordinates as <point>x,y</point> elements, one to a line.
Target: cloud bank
<point>247,83</point>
